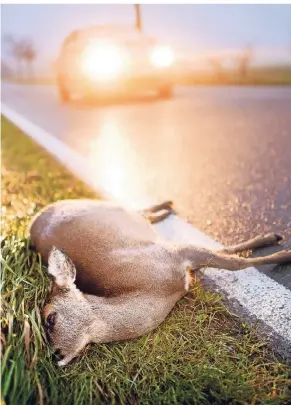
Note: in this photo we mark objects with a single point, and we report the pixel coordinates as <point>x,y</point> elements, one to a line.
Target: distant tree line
<point>242,63</point>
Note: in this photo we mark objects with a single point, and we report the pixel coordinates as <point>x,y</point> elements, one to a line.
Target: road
<point>223,155</point>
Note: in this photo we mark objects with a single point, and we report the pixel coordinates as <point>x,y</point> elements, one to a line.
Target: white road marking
<point>261,296</point>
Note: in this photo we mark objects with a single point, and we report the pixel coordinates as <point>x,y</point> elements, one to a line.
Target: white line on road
<point>261,296</point>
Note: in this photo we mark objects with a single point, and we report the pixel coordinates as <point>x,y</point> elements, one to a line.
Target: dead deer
<point>113,277</point>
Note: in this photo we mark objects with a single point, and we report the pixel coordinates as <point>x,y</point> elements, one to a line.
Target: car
<point>111,60</point>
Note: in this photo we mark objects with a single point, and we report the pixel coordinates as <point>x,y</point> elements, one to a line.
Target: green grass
<point>256,76</point>
<point>200,355</point>
<point>277,75</point>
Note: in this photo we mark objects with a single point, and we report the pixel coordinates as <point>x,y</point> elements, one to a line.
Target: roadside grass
<point>256,76</point>
<point>38,81</point>
<point>200,355</point>
<point>277,75</point>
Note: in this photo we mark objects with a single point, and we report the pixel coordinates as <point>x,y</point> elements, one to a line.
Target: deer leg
<point>206,258</point>
<point>159,217</point>
<point>255,243</point>
<point>166,205</point>
<point>149,213</point>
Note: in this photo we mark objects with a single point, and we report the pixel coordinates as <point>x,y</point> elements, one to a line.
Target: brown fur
<point>114,278</point>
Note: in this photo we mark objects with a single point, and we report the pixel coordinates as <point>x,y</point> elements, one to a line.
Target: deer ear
<point>61,267</point>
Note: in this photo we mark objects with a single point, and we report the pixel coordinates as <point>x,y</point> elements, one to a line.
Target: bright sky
<point>199,27</point>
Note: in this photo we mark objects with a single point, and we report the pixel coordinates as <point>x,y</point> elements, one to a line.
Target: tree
<point>23,52</point>
<point>28,54</point>
<point>216,64</point>
<point>13,49</point>
<point>244,62</point>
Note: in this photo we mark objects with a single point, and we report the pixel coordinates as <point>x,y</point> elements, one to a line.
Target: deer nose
<point>58,355</point>
<point>48,337</point>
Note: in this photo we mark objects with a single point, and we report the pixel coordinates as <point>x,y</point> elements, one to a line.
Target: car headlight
<point>162,56</point>
<point>102,61</point>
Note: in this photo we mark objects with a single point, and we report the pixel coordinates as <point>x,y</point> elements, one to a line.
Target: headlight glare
<point>162,56</point>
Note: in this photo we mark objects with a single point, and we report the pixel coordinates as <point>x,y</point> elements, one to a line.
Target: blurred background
<point>213,44</point>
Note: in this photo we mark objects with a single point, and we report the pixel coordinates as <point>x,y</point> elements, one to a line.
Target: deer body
<point>115,279</point>
<point>115,252</point>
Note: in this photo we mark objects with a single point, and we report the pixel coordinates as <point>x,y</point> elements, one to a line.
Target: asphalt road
<point>223,155</point>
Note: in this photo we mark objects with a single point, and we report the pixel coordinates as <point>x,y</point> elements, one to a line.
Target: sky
<point>199,28</point>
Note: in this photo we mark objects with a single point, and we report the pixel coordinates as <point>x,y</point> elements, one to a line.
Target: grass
<point>200,355</point>
<point>277,75</point>
<point>30,81</point>
<point>256,76</point>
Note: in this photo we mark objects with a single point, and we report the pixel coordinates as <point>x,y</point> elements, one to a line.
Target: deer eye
<point>51,320</point>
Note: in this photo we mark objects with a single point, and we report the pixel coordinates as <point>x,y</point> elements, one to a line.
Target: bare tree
<point>29,54</point>
<point>216,64</point>
<point>244,61</point>
<point>23,52</point>
<point>13,49</point>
